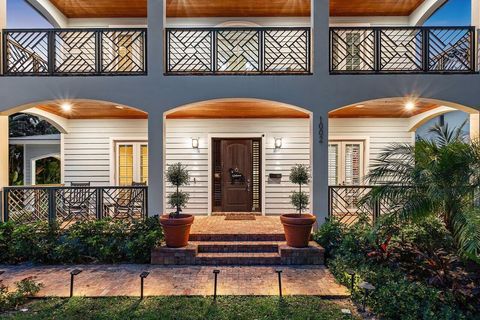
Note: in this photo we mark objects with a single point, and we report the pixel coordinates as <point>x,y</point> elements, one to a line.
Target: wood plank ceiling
<point>382,109</point>
<point>233,8</point>
<point>237,109</point>
<point>88,109</point>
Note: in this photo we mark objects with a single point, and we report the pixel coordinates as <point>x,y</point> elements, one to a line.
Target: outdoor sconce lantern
<point>278,143</point>
<point>195,143</point>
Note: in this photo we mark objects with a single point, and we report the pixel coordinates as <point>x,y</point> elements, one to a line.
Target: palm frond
<point>467,233</point>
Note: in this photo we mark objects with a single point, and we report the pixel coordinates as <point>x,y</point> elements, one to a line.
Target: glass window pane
<point>144,163</point>
<point>125,164</point>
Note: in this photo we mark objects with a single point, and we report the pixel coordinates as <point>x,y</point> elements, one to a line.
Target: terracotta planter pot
<point>298,229</point>
<point>176,230</point>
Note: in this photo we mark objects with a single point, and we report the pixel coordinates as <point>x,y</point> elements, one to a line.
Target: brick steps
<point>239,258</point>
<point>237,246</point>
<point>237,237</point>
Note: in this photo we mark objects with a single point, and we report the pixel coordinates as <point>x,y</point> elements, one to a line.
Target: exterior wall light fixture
<point>278,143</point>
<point>195,143</point>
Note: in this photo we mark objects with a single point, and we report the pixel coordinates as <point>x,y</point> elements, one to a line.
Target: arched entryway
<point>239,153</point>
<point>359,133</point>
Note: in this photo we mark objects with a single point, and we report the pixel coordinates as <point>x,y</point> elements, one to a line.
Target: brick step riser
<point>237,248</point>
<point>247,261</point>
<point>237,237</point>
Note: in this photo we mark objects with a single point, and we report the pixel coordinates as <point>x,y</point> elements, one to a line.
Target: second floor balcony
<point>357,50</point>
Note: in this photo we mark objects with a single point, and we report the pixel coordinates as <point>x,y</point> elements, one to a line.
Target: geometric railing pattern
<point>75,52</point>
<point>402,49</point>
<point>238,51</point>
<point>345,205</point>
<point>68,205</point>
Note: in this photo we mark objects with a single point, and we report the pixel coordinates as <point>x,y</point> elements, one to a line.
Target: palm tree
<point>439,177</point>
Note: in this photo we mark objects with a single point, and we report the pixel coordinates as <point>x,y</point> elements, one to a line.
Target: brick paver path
<point>218,225</point>
<point>123,280</point>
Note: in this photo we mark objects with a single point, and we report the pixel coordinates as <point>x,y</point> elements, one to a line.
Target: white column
<point>475,126</point>
<point>476,13</point>
<point>3,151</point>
<point>3,25</point>
<point>155,163</point>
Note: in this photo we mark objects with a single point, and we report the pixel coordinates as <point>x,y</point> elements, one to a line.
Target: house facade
<point>238,91</point>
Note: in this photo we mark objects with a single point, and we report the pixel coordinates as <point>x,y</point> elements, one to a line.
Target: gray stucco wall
<point>320,93</point>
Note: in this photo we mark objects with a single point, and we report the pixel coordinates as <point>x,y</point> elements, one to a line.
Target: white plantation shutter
<point>333,164</point>
<point>345,162</point>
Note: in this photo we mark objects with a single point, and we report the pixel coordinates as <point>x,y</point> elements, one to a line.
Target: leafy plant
<point>438,177</point>
<point>178,176</point>
<point>12,299</point>
<point>300,175</point>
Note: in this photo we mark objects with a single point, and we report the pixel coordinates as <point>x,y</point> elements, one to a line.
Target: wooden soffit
<point>86,109</point>
<point>233,8</point>
<point>241,109</point>
<point>382,109</point>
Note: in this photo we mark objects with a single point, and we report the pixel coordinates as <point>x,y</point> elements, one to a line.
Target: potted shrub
<point>176,226</point>
<point>298,227</point>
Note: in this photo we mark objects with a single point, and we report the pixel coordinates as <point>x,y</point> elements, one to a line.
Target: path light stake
<point>351,273</point>
<point>347,314</point>
<point>367,288</point>
<point>279,272</point>
<point>73,273</point>
<point>143,275</point>
<point>215,272</point>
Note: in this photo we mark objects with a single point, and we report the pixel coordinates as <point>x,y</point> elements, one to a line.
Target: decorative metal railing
<point>345,205</point>
<point>402,50</point>
<point>67,205</point>
<point>75,52</point>
<point>238,51</point>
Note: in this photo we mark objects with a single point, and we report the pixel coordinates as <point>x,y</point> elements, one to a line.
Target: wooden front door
<point>236,175</point>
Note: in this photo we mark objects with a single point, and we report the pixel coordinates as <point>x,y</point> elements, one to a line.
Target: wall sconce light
<point>278,143</point>
<point>195,143</point>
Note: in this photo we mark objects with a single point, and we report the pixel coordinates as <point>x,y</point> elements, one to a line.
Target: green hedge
<point>397,294</point>
<point>104,241</point>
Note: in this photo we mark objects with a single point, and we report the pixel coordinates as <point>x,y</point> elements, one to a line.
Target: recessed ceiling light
<point>410,105</point>
<point>360,106</point>
<point>67,107</point>
<point>120,107</point>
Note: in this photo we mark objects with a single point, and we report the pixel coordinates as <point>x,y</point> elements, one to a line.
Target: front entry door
<point>236,175</point>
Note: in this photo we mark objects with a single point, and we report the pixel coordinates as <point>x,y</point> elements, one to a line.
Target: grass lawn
<point>195,308</point>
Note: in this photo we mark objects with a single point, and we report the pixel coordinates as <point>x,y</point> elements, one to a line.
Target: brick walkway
<point>123,280</point>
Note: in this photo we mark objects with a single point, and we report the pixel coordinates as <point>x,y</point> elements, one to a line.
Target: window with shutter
<point>346,162</point>
<point>131,163</point>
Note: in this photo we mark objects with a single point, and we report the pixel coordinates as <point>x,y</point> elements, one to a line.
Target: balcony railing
<point>67,205</point>
<point>238,51</point>
<point>75,52</point>
<point>402,50</point>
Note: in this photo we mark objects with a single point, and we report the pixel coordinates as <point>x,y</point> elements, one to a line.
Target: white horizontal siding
<point>86,149</point>
<point>295,149</point>
<point>380,133</point>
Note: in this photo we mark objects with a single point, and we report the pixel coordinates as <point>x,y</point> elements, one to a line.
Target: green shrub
<point>398,267</point>
<point>103,241</point>
<point>12,299</point>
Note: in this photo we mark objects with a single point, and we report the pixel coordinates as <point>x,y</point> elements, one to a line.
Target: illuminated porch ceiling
<point>90,109</point>
<point>396,108</point>
<point>233,8</point>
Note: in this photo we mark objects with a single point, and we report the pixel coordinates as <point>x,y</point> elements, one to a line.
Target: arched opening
<point>359,133</point>
<point>46,170</point>
<point>256,140</point>
<point>98,143</point>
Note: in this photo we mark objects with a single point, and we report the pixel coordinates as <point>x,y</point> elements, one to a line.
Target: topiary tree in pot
<point>298,227</point>
<point>176,225</point>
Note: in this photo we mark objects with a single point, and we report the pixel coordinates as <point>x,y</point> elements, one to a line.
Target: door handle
<point>248,185</point>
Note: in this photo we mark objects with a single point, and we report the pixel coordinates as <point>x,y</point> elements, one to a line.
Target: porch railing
<point>67,205</point>
<point>344,204</point>
<point>75,52</point>
<point>238,51</point>
<point>402,50</point>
